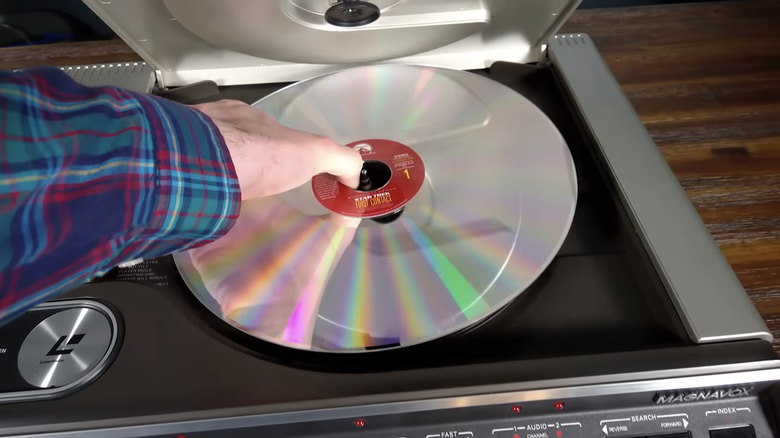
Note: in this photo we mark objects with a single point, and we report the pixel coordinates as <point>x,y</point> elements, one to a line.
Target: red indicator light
<point>360,422</point>
<point>559,405</point>
<point>558,433</point>
<point>516,409</point>
<point>517,435</point>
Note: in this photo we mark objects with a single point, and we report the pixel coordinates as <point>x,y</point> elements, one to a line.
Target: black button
<point>735,432</point>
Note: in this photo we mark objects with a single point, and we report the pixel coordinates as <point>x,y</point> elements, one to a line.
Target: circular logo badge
<point>393,174</point>
<point>64,347</point>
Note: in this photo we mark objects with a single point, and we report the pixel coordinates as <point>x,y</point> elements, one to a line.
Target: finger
<point>342,162</point>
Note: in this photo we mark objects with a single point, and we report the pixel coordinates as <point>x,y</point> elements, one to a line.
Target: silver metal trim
<point>708,295</point>
<point>48,393</point>
<point>714,376</point>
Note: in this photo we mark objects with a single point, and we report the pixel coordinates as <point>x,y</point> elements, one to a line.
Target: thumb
<point>342,162</point>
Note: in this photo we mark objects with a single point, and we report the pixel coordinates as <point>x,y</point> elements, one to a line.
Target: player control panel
<point>732,418</point>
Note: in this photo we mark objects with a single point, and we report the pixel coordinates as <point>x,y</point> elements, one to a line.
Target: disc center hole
<point>374,176</point>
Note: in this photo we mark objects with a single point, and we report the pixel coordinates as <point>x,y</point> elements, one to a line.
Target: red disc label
<point>406,176</point>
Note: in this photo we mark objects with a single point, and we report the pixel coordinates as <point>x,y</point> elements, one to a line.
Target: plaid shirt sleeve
<point>93,177</point>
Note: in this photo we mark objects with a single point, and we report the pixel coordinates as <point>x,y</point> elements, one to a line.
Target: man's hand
<point>270,158</point>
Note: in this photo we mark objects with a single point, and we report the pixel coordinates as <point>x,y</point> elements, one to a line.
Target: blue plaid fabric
<point>93,177</point>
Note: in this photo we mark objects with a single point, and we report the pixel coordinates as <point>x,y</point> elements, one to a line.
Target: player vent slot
<point>136,76</point>
<point>570,39</point>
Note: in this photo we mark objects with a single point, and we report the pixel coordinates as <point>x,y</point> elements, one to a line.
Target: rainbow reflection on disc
<point>495,206</point>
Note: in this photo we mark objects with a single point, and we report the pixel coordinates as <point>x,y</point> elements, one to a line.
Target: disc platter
<point>494,201</point>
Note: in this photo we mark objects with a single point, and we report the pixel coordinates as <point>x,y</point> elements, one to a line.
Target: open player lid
<point>248,41</point>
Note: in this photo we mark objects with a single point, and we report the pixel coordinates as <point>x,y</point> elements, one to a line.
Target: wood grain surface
<point>705,80</point>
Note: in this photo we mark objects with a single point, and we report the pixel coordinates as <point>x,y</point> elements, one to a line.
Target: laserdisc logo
<point>58,348</point>
<point>702,395</point>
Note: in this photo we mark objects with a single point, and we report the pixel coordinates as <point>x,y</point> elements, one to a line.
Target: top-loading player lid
<point>262,41</point>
